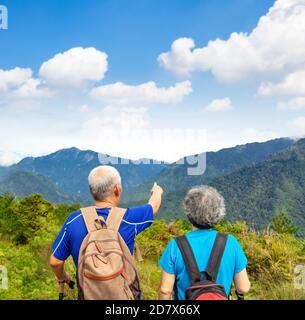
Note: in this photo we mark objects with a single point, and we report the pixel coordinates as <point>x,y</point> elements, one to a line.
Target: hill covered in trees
<point>258,180</point>
<point>29,226</point>
<point>69,170</point>
<point>256,193</point>
<point>62,175</point>
<point>277,185</point>
<point>175,178</point>
<point>21,183</point>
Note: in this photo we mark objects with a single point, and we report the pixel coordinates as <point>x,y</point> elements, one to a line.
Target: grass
<point>272,255</point>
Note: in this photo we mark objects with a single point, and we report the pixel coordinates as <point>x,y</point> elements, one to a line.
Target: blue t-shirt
<point>233,261</point>
<point>71,236</point>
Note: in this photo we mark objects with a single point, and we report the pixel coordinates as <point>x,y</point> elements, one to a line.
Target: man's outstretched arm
<point>156,198</point>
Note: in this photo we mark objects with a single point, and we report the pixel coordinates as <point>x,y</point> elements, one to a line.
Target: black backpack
<point>203,285</point>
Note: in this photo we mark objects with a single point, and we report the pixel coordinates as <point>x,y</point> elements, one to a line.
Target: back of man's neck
<point>105,204</point>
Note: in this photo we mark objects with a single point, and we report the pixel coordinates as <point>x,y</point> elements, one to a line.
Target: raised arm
<point>156,198</point>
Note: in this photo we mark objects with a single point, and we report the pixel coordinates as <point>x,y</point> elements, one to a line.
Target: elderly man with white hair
<point>106,189</point>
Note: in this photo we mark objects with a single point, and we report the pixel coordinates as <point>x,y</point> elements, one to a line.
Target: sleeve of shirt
<point>167,261</point>
<point>141,217</point>
<point>61,248</point>
<point>241,260</point>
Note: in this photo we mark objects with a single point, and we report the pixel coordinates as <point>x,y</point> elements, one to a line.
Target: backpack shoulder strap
<point>189,259</point>
<point>216,255</point>
<point>90,217</point>
<point>114,218</point>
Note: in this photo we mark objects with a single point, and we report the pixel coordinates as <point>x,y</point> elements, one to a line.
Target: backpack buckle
<point>99,225</point>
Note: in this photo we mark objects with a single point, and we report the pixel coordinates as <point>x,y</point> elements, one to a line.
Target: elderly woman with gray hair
<point>204,207</point>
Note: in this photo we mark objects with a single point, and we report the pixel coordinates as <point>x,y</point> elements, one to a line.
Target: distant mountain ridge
<point>21,183</point>
<point>277,185</point>
<point>174,178</point>
<point>69,169</point>
<point>257,193</point>
<point>239,173</point>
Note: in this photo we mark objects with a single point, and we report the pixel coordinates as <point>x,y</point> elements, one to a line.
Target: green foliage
<point>154,239</point>
<point>282,224</point>
<point>29,216</point>
<point>62,211</point>
<point>6,216</point>
<point>68,171</point>
<point>175,178</point>
<point>255,192</point>
<point>21,183</point>
<point>272,256</point>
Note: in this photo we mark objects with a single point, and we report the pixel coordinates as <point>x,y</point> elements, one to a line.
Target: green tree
<point>62,211</point>
<point>29,215</point>
<point>282,224</point>
<point>5,213</point>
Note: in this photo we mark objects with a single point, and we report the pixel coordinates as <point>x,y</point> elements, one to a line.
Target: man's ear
<point>117,190</point>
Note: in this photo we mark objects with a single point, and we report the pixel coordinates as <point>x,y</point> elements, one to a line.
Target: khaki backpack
<point>106,269</point>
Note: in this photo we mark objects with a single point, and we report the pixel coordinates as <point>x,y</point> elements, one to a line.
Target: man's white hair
<point>102,181</point>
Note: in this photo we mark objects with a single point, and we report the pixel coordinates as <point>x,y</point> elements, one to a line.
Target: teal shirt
<point>233,261</point>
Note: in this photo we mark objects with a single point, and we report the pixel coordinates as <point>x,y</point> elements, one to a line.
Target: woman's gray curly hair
<point>204,206</point>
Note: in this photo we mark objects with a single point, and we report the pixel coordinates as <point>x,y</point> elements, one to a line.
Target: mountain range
<point>174,177</point>
<point>257,180</point>
<point>68,169</point>
<point>258,192</point>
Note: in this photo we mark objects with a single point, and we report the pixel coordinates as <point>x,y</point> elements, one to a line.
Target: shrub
<point>34,223</point>
<point>29,215</point>
<point>282,224</point>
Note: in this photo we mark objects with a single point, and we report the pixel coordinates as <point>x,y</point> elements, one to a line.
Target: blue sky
<point>224,69</point>
<point>129,31</point>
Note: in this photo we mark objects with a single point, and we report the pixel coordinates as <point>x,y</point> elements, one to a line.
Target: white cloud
<point>180,59</point>
<point>112,119</point>
<point>121,128</point>
<point>8,158</point>
<point>18,83</point>
<point>256,135</point>
<point>219,105</point>
<point>75,67</point>
<point>298,125</point>
<point>116,130</point>
<point>32,89</point>
<point>71,69</point>
<point>10,79</point>
<point>293,104</point>
<point>85,108</point>
<point>146,93</point>
<point>226,138</point>
<point>292,84</point>
<point>127,132</point>
<point>275,46</point>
